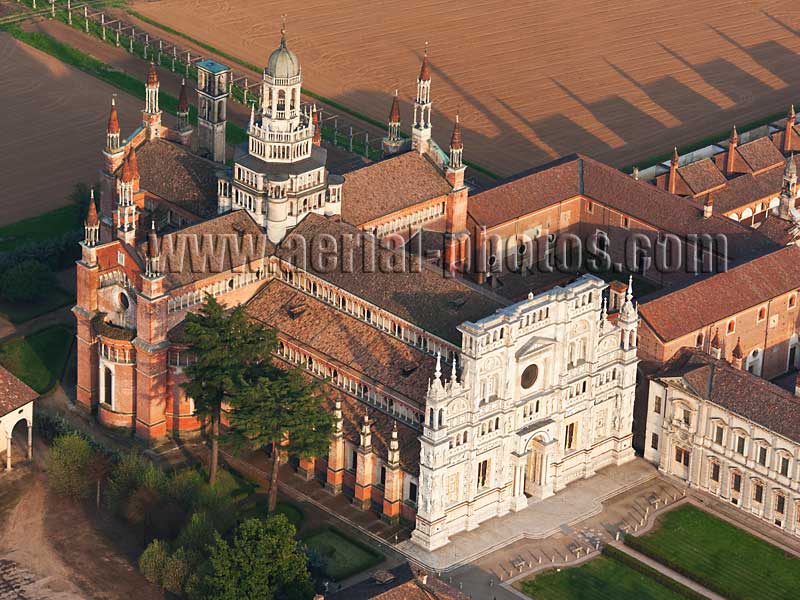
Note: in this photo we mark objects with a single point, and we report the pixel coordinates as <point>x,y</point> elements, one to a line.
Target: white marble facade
<point>544,397</point>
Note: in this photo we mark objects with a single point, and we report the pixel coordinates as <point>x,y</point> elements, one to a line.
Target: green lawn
<point>345,557</point>
<point>52,224</point>
<point>599,579</point>
<point>19,312</point>
<point>721,556</point>
<point>38,359</point>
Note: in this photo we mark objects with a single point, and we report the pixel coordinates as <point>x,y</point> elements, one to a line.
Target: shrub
<point>175,573</point>
<point>126,476</point>
<point>67,465</point>
<point>28,281</point>
<point>184,487</point>
<point>153,562</point>
<point>197,534</point>
<point>141,506</point>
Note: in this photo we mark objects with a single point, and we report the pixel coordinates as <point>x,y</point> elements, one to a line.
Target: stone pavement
<point>577,502</point>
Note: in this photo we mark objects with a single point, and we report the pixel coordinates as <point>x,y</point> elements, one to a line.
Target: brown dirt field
<point>532,80</point>
<point>53,122</point>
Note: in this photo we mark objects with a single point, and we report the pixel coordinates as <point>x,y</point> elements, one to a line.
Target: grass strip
<point>38,359</point>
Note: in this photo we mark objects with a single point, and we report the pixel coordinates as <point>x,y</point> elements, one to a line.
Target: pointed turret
<point>738,354</point>
<point>716,345</point>
<point>112,130</point>
<point>153,253</point>
<point>628,319</point>
<point>92,225</point>
<point>788,188</point>
<point>421,132</point>
<point>394,119</point>
<point>456,147</point>
<point>151,115</point>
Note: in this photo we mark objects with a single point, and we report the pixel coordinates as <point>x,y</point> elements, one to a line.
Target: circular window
<point>124,302</point>
<point>522,249</point>
<point>492,260</point>
<point>529,376</point>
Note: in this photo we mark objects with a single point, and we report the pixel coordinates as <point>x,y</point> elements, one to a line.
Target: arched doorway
<point>17,440</point>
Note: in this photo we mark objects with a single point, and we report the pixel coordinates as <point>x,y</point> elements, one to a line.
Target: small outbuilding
<point>16,405</point>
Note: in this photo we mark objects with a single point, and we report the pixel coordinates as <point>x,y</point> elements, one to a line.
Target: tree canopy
<point>261,562</point>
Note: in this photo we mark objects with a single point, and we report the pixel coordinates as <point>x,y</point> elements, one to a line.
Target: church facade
<point>460,392</point>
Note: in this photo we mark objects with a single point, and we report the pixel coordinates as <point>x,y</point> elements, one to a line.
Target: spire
<point>455,139</point>
<point>113,120</point>
<point>673,171</point>
<point>183,100</point>
<point>92,225</point>
<point>789,167</point>
<point>454,374</point>
<point>734,136</point>
<point>394,115</point>
<point>283,31</point>
<point>604,312</point>
<point>127,172</point>
<point>438,373</point>
<point>252,115</point>
<point>635,173</point>
<point>629,291</point>
<point>152,75</point>
<point>424,72</point>
<point>152,243</point>
<point>791,116</point>
<point>627,313</point>
<point>91,216</point>
<point>133,163</point>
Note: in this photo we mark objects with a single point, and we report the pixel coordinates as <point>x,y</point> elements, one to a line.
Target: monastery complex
<point>462,390</point>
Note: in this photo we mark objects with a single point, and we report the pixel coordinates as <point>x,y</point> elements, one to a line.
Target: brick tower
<point>151,115</point>
<point>456,235</point>
<point>213,79</point>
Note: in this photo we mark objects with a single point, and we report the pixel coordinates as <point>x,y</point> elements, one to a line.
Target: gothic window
<point>108,396</point>
<point>483,474</point>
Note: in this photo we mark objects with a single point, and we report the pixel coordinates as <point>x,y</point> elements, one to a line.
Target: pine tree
<point>225,346</point>
<point>281,410</point>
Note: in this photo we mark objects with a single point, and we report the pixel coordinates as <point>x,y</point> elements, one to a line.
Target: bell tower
<point>213,79</point>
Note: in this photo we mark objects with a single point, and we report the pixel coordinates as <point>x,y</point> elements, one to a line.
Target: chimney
<point>673,171</point>
<point>738,355</point>
<point>787,134</point>
<point>708,206</point>
<point>730,160</point>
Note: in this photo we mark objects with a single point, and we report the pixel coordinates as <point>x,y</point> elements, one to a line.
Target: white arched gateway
<point>16,406</point>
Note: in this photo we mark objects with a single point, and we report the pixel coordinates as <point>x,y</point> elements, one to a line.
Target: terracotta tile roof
<point>722,295</point>
<point>527,192</point>
<point>237,223</point>
<point>13,393</point>
<point>737,390</point>
<point>702,176</point>
<point>344,339</point>
<point>126,172</point>
<point>406,583</point>
<point>579,175</point>
<point>174,173</point>
<point>745,189</point>
<point>665,211</point>
<point>390,185</point>
<point>426,298</point>
<point>760,154</point>
<point>778,230</point>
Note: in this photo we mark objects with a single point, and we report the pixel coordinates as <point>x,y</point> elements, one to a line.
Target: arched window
<point>731,326</point>
<point>699,341</point>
